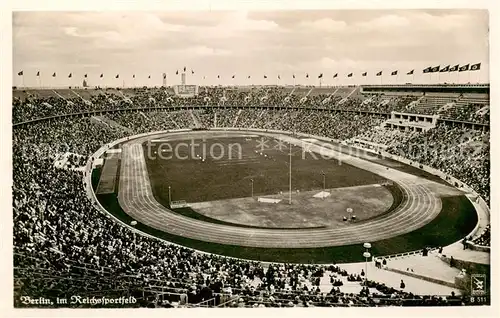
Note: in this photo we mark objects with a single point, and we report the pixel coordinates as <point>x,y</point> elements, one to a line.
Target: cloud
<point>235,24</point>
<point>445,22</point>
<point>239,21</point>
<point>323,25</point>
<point>71,31</point>
<point>246,42</point>
<point>200,51</point>
<point>387,21</point>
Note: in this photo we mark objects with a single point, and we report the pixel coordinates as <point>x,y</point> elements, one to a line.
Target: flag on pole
<point>164,75</point>
<point>117,76</point>
<point>233,76</point>
<point>70,75</point>
<point>133,76</point>
<point>192,72</point>
<point>379,73</point>
<point>435,69</point>
<point>38,73</point>
<point>85,75</point>
<point>410,72</point>
<point>20,73</point>
<point>394,73</point>
<point>454,68</point>
<point>364,74</point>
<point>99,76</point>
<point>293,75</point>
<point>427,70</point>
<point>445,69</point>
<point>320,75</point>
<point>218,76</point>
<point>149,76</point>
<point>177,72</point>
<point>265,76</point>
<point>184,68</point>
<point>248,76</point>
<point>464,68</point>
<point>54,75</point>
<point>349,75</point>
<point>307,75</point>
<point>475,67</point>
<point>279,76</point>
<point>335,75</point>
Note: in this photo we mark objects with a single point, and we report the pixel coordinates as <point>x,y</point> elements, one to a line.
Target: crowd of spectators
<point>460,152</point>
<point>485,238</point>
<point>31,105</point>
<point>63,245</point>
<point>470,113</point>
<point>75,161</point>
<point>384,137</point>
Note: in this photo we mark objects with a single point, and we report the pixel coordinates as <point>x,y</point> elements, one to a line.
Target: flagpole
<point>290,176</point>
<point>22,76</point>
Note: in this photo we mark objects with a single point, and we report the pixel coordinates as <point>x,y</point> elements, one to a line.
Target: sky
<point>247,43</point>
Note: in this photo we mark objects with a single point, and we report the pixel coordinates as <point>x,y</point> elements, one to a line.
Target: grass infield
<point>191,213</point>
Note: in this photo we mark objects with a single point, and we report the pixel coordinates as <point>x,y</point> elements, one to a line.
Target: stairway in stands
<point>430,104</point>
<point>196,120</point>
<point>110,123</point>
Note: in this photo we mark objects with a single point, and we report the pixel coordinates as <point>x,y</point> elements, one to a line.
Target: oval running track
<point>419,207</point>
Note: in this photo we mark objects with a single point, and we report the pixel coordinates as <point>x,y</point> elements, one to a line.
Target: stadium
<point>348,186</point>
<point>192,194</point>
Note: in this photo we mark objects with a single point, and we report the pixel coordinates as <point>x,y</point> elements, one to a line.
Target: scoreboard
<point>186,90</point>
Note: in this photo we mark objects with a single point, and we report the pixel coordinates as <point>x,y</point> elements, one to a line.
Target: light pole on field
<point>324,185</point>
<point>251,180</point>
<point>366,255</point>
<point>169,196</point>
<point>290,173</point>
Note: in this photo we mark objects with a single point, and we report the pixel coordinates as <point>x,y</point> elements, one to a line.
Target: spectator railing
<point>398,255</point>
